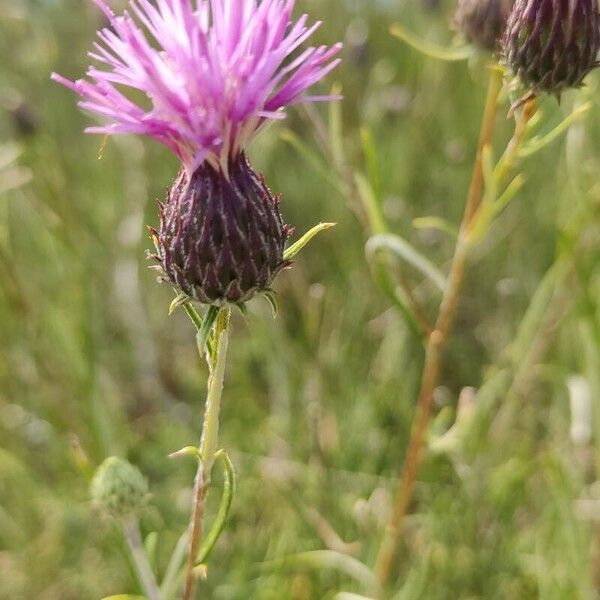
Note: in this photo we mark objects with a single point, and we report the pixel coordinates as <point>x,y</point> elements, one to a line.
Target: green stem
<point>131,531</point>
<point>174,570</point>
<point>208,443</point>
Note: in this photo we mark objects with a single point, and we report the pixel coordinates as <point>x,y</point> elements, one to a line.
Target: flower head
<point>214,72</point>
<point>221,239</point>
<point>482,21</point>
<point>118,488</point>
<point>552,44</point>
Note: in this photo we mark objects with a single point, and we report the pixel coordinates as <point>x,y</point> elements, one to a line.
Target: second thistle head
<point>482,21</point>
<point>118,488</point>
<point>552,44</point>
<point>215,72</point>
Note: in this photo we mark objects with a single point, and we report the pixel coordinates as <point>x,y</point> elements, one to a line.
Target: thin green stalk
<point>174,570</point>
<point>131,531</point>
<point>208,443</point>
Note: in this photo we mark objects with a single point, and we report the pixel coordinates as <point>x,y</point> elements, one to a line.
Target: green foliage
<point>317,406</point>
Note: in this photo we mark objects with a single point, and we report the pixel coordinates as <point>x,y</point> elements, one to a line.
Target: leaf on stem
<point>370,152</point>
<point>371,204</point>
<point>224,508</point>
<point>312,159</point>
<point>538,143</point>
<point>187,451</point>
<point>395,294</point>
<point>490,211</point>
<point>193,314</point>
<point>272,300</point>
<point>436,223</point>
<point>202,337</point>
<point>444,53</point>
<point>150,545</point>
<point>305,239</point>
<point>178,301</point>
<point>401,248</point>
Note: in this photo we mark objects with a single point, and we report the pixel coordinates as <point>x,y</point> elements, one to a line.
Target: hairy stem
<point>131,531</point>
<point>208,444</point>
<point>436,342</point>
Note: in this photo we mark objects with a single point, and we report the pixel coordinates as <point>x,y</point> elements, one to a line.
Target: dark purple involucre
<point>221,236</point>
<point>483,21</point>
<point>552,44</point>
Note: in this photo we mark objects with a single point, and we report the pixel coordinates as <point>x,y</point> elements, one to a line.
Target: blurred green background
<point>318,402</point>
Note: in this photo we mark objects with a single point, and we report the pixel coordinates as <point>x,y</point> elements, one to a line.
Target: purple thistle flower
<point>215,72</point>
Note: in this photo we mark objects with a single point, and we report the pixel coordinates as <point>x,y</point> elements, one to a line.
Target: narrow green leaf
<point>436,223</point>
<point>312,159</point>
<point>489,211</point>
<point>187,451</point>
<point>196,319</point>
<point>537,143</point>
<point>370,152</point>
<point>151,544</point>
<point>194,315</point>
<point>513,188</point>
<point>394,294</point>
<point>202,337</point>
<point>431,50</point>
<point>402,249</point>
<point>272,300</point>
<point>178,301</point>
<point>336,138</point>
<point>371,204</point>
<point>305,239</point>
<point>173,573</point>
<point>224,507</point>
<point>241,306</point>
<point>328,559</point>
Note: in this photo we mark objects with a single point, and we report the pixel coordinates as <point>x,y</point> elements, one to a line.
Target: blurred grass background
<point>318,402</point>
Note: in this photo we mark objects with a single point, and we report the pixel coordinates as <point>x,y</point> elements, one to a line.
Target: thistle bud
<point>118,488</point>
<point>483,21</point>
<point>221,237</point>
<point>552,44</point>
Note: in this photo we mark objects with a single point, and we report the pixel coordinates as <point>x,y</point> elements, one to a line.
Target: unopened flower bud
<point>483,21</point>
<point>118,488</point>
<point>221,237</point>
<point>552,44</point>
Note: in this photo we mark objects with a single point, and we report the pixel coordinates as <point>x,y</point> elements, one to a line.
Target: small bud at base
<point>118,488</point>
